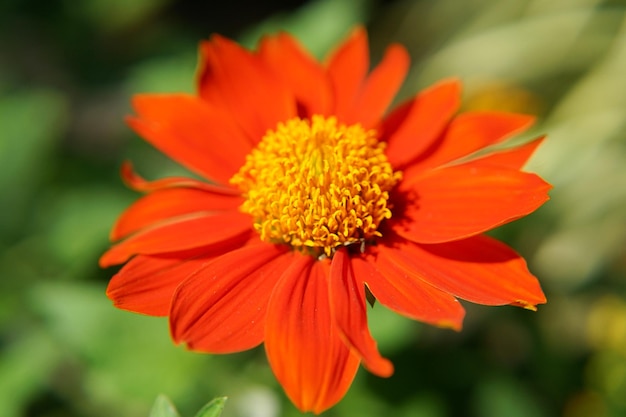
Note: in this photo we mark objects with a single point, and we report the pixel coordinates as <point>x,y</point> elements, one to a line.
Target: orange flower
<point>317,197</point>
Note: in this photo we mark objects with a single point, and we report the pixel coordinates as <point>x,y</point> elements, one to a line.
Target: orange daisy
<point>317,198</point>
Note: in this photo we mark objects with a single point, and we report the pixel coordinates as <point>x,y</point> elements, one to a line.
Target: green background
<point>67,72</point>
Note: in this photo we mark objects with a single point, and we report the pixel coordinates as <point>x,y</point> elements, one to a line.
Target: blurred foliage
<point>67,71</point>
<point>164,408</point>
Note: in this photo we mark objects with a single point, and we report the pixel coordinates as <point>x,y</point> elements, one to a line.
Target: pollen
<point>317,185</point>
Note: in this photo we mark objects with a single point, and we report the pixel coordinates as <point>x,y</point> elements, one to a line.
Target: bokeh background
<point>67,71</point>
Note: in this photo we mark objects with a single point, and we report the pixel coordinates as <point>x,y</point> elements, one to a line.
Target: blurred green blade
<point>318,25</point>
<point>212,409</point>
<point>25,367</point>
<point>163,407</point>
<point>31,122</point>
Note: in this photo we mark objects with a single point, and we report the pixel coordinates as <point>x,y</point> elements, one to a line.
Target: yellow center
<point>317,185</point>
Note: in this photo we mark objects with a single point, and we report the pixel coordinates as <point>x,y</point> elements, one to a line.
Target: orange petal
<point>404,292</point>
<point>146,283</point>
<point>380,87</point>
<point>191,132</point>
<point>514,158</point>
<point>237,80</point>
<point>303,344</point>
<point>411,128</point>
<point>306,78</point>
<point>221,307</point>
<point>182,233</point>
<point>347,68</point>
<point>170,202</point>
<point>347,295</point>
<point>459,201</point>
<point>478,269</point>
<point>137,183</point>
<point>470,132</point>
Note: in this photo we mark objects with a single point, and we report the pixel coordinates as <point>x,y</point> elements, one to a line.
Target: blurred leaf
<point>31,122</point>
<point>318,24</point>
<point>518,50</point>
<point>256,400</point>
<point>502,396</point>
<point>423,405</point>
<point>606,374</point>
<point>606,324</point>
<point>25,367</point>
<point>585,156</point>
<point>391,331</point>
<point>213,408</point>
<point>163,407</point>
<point>358,401</point>
<point>77,223</point>
<point>168,74</point>
<point>111,15</point>
<point>127,358</point>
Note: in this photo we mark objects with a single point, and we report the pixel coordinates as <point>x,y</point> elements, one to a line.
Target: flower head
<point>316,194</point>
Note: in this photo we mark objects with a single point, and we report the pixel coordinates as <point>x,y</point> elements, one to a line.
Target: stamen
<point>317,185</point>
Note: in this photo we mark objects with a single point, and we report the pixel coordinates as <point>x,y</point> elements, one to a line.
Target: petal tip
<point>106,260</point>
<point>453,83</point>
<point>457,326</point>
<point>384,368</point>
<point>528,305</point>
<point>112,257</point>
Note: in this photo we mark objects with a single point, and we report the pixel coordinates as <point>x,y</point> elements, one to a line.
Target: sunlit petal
<point>181,233</point>
<point>238,81</point>
<point>146,283</point>
<point>197,135</point>
<point>459,201</point>
<point>470,132</point>
<point>514,158</point>
<point>412,127</point>
<point>347,296</point>
<point>304,76</point>
<point>479,269</point>
<point>303,346</point>
<point>221,307</point>
<point>402,291</point>
<point>347,69</point>
<point>137,183</point>
<point>380,87</point>
<point>169,203</point>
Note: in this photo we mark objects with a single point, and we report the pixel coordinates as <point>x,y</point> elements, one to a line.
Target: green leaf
<point>86,214</point>
<point>319,25</point>
<point>32,123</point>
<point>117,15</point>
<point>127,358</point>
<point>212,409</point>
<point>26,365</point>
<point>502,395</point>
<point>163,407</point>
<point>165,74</point>
<point>392,331</point>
